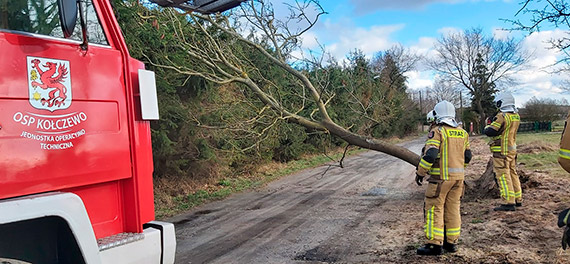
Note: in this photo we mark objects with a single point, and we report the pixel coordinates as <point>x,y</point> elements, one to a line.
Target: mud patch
<point>203,212</point>
<point>194,216</point>
<point>536,147</point>
<point>255,207</point>
<point>185,220</point>
<point>316,254</point>
<point>529,179</point>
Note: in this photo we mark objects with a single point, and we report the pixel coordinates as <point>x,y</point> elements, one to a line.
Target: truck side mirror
<point>67,16</point>
<point>148,97</point>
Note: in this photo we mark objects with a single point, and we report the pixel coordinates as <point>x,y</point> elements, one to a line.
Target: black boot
<point>430,249</point>
<point>505,207</point>
<point>518,204</point>
<point>449,247</point>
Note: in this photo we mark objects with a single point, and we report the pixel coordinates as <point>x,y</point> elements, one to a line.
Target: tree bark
<point>485,186</point>
<point>482,116</point>
<point>370,143</point>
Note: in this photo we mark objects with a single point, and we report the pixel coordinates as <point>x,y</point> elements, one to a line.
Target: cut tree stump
<point>485,186</point>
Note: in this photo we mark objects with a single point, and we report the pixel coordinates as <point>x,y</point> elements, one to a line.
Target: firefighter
<point>446,154</point>
<point>564,154</point>
<point>564,161</point>
<point>430,118</point>
<point>503,132</point>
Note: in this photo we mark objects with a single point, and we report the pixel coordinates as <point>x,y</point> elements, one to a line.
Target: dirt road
<point>368,212</point>
<point>338,216</point>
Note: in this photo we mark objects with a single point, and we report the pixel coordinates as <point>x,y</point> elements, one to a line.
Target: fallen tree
<point>217,50</point>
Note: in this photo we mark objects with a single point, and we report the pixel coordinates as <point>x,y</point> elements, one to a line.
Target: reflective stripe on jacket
<point>450,162</point>
<point>508,125</point>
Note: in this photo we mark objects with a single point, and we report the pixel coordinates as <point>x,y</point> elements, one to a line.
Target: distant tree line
<point>544,109</point>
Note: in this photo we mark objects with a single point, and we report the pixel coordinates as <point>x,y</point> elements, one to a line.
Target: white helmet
<point>444,109</point>
<point>444,112</point>
<point>506,102</point>
<point>430,117</point>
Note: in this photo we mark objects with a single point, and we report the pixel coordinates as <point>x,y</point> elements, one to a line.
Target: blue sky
<point>377,25</point>
<point>421,19</point>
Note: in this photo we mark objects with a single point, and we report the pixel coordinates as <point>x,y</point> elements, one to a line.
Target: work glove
<point>419,179</point>
<point>563,218</point>
<point>566,237</point>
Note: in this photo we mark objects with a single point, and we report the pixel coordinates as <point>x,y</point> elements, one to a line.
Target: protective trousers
<point>507,178</point>
<point>441,211</point>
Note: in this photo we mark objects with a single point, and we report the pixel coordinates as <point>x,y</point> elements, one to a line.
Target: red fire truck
<point>75,146</point>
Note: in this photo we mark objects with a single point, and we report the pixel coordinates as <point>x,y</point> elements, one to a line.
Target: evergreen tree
<point>482,94</point>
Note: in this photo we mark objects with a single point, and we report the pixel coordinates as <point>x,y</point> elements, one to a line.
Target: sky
<point>376,25</point>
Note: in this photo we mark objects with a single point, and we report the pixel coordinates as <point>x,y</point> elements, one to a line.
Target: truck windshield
<point>41,17</point>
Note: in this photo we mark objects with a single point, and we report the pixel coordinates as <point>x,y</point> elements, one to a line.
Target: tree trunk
<point>485,186</point>
<point>482,116</point>
<point>370,143</point>
<point>333,128</point>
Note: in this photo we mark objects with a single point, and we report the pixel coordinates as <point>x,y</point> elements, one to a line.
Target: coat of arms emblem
<point>49,83</point>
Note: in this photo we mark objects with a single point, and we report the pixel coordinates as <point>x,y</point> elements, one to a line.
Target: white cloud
<point>536,80</point>
<point>449,30</point>
<point>309,40</point>
<point>424,48</point>
<point>501,34</point>
<point>521,97</point>
<point>538,44</point>
<point>343,37</point>
<point>419,79</point>
<point>540,78</point>
<point>297,54</point>
<point>424,45</point>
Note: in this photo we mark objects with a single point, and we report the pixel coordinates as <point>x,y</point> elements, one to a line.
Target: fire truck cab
<point>75,145</point>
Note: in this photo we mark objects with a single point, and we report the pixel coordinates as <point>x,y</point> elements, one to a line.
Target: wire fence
<point>537,127</point>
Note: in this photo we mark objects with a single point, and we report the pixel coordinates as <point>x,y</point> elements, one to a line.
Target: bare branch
<point>478,63</point>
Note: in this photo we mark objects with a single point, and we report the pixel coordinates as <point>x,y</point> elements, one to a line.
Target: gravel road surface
<point>344,215</point>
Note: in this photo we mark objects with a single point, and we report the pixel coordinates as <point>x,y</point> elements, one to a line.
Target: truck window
<point>41,17</point>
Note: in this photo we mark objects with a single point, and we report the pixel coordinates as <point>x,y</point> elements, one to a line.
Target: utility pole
<point>421,110</point>
<point>461,105</point>
<point>421,106</point>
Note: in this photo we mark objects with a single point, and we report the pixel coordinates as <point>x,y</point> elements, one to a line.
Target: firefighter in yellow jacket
<point>444,159</point>
<point>564,154</point>
<point>564,161</point>
<point>503,133</point>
